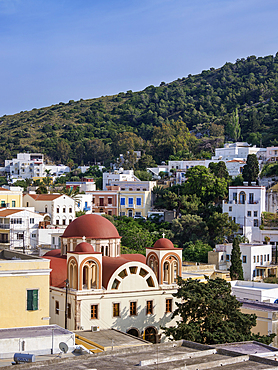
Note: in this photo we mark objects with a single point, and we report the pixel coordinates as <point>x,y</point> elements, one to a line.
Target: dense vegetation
<point>210,314</point>
<point>239,101</point>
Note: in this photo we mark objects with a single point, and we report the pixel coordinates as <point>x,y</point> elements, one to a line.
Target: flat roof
<point>263,306</point>
<point>111,338</point>
<point>33,331</point>
<point>170,356</point>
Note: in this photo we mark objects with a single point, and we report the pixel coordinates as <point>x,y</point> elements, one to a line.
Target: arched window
<point>153,264</point>
<point>73,275</point>
<point>174,271</point>
<point>242,197</point>
<point>107,250</point>
<point>166,275</point>
<point>90,275</point>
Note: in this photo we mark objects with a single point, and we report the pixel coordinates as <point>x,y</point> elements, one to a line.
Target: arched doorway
<point>134,332</point>
<point>151,334</point>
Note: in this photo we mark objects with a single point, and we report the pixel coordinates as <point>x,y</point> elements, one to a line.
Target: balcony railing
<point>4,226</point>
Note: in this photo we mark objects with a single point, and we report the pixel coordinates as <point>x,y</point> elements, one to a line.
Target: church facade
<point>107,289</point>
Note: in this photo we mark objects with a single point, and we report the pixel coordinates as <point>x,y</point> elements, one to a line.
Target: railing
<point>4,226</point>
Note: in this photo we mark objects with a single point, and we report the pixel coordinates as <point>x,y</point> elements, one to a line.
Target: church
<point>93,286</point>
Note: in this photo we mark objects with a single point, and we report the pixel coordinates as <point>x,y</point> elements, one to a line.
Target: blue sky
<point>53,51</point>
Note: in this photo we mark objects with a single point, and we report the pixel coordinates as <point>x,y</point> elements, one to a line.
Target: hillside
<point>156,119</point>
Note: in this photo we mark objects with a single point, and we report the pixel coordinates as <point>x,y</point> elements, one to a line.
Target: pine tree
<point>236,271</point>
<point>251,169</point>
<point>208,313</point>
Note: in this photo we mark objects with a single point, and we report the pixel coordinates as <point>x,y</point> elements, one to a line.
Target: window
<point>143,272</point>
<point>70,210</point>
<point>130,202</point>
<point>93,200</point>
<point>248,213</point>
<point>64,210</point>
<point>133,269</point>
<point>94,311</point>
<point>116,309</point>
<point>101,202</point>
<point>138,201</point>
<point>57,307</point>
<point>110,213</point>
<point>45,209</point>
<point>255,213</point>
<point>109,200</point>
<point>32,299</point>
<point>256,223</point>
<point>20,236</point>
<point>32,221</point>
<point>258,258</point>
<point>115,284</point>
<point>235,197</point>
<point>168,305</point>
<point>69,311</point>
<point>268,257</point>
<point>58,210</point>
<point>227,257</point>
<point>57,222</point>
<point>265,258</point>
<point>34,235</point>
<point>123,274</point>
<point>242,197</point>
<point>64,222</point>
<point>133,308</point>
<point>138,214</point>
<point>150,282</point>
<point>230,209</point>
<point>3,204</point>
<point>244,259</point>
<point>149,308</point>
<point>13,203</point>
<point>254,259</point>
<point>122,201</point>
<point>251,198</point>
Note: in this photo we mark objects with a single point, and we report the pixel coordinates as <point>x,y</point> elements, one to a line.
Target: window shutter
<point>35,299</point>
<point>29,300</point>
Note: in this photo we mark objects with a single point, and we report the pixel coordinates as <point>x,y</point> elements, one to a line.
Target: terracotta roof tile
<point>9,212</point>
<point>44,197</point>
<point>3,189</point>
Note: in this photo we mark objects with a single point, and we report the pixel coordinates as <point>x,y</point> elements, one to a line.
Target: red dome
<point>163,243</point>
<point>91,226</point>
<point>84,248</point>
<point>54,252</point>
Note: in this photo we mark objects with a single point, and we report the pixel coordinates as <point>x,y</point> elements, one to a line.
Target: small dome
<point>54,252</point>
<point>84,248</point>
<point>91,226</point>
<point>163,243</point>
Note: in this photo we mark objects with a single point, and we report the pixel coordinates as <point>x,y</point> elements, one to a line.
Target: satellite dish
<point>63,347</point>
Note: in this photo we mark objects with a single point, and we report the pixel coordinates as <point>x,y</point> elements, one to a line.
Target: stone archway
<point>134,332</point>
<point>151,334</point>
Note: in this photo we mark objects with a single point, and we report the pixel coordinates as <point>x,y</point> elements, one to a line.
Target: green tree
<point>205,185</point>
<point>251,170</point>
<point>220,227</point>
<point>233,127</point>
<point>143,175</point>
<point>236,270</point>
<point>219,170</point>
<point>196,252</point>
<point>210,314</point>
<point>189,228</point>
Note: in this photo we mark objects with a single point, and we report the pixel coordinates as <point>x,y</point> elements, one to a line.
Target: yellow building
<point>135,203</point>
<point>24,290</point>
<point>10,198</point>
<point>267,317</point>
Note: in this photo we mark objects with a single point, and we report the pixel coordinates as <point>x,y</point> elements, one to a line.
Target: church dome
<point>91,226</point>
<point>84,248</point>
<point>163,243</point>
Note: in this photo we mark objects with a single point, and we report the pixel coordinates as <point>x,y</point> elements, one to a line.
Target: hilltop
<point>161,121</point>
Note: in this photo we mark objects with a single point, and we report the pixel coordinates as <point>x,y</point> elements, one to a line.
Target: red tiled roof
<point>9,212</point>
<point>44,197</point>
<point>91,226</point>
<point>58,274</point>
<point>3,189</point>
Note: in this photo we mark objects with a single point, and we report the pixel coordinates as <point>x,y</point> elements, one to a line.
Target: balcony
<point>4,226</point>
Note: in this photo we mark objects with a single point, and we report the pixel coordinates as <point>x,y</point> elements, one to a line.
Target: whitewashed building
<point>18,228</point>
<point>256,259</point>
<point>59,207</point>
<point>245,206</point>
<point>121,175</point>
<point>255,291</point>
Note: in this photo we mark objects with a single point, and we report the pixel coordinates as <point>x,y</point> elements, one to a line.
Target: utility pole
<point>23,243</point>
<point>66,304</point>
